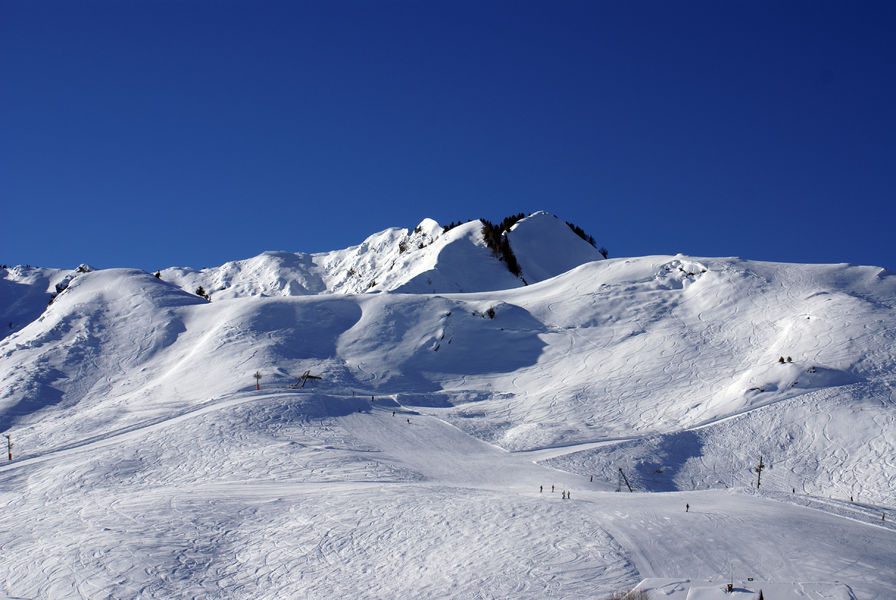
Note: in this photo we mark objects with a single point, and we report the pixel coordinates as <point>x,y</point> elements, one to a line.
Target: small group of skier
<point>565,494</point>
<point>393,414</point>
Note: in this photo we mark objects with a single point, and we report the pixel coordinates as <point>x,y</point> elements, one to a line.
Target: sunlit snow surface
<point>146,464</point>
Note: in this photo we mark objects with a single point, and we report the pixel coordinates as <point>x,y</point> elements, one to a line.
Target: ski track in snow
<point>357,504</point>
<point>344,507</point>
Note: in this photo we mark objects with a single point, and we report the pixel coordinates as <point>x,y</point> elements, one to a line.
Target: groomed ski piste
<point>452,417</point>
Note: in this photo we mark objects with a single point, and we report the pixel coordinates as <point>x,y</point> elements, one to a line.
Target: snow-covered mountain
<point>422,260</point>
<point>443,404</point>
<point>24,294</point>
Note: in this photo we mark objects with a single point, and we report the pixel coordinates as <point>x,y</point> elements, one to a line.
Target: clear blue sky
<point>151,134</point>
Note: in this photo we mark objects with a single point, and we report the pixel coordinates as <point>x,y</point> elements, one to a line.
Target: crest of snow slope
<point>424,260</point>
<point>545,246</point>
<point>24,293</point>
<point>89,342</point>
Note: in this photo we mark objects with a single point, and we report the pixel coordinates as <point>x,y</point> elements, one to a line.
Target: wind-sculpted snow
<point>24,294</point>
<point>424,260</point>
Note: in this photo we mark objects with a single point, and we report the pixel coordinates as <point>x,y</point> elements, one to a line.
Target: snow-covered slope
<point>545,246</point>
<point>614,349</point>
<point>424,260</point>
<point>146,457</point>
<point>91,342</point>
<point>24,294</point>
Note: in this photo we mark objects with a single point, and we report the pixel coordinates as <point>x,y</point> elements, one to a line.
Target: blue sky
<point>151,134</point>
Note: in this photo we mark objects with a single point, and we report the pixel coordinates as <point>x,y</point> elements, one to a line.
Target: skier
<point>794,490</point>
<point>568,495</point>
<point>687,508</point>
<point>591,479</point>
<point>540,489</point>
<point>409,421</point>
<point>393,413</point>
<point>552,489</point>
<point>563,494</point>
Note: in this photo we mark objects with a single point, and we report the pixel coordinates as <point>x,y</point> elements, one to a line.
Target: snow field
<point>799,441</point>
<point>727,531</point>
<point>309,495</point>
<point>679,589</point>
<point>287,496</point>
<point>148,466</point>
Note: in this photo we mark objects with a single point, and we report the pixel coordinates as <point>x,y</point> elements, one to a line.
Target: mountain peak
<point>545,247</point>
<point>427,259</point>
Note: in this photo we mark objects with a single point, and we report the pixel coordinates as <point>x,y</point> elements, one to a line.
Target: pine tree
<point>588,238</point>
<point>496,240</point>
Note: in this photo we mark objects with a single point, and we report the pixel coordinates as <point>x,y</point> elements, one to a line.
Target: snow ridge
<point>422,260</point>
